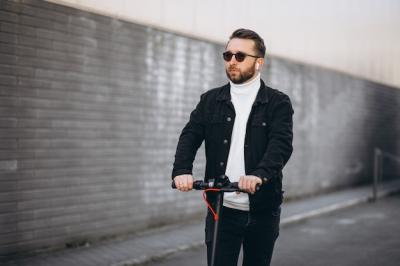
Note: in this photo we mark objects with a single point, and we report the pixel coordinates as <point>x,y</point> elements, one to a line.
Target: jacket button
<point>246,145</point>
<point>264,124</point>
<point>221,163</point>
<point>265,180</point>
<point>229,119</point>
<point>225,141</point>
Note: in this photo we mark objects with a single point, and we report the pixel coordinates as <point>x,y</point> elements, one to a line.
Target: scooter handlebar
<point>231,187</point>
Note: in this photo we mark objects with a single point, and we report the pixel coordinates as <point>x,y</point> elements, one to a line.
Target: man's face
<point>240,72</point>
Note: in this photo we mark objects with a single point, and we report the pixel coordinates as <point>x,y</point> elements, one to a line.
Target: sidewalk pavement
<point>158,243</point>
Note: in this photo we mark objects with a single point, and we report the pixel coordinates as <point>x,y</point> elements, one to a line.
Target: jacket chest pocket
<point>260,124</point>
<point>259,131</point>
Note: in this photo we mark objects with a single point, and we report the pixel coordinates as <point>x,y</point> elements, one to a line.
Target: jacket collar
<point>262,95</point>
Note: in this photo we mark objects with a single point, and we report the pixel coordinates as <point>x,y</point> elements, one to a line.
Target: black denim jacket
<point>268,140</point>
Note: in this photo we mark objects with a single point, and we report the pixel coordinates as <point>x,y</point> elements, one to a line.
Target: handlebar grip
<point>197,185</point>
<point>235,185</point>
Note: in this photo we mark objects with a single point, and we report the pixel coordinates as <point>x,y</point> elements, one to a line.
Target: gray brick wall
<point>91,108</point>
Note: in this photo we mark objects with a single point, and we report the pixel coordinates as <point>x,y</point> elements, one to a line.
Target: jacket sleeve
<point>279,147</point>
<point>189,142</point>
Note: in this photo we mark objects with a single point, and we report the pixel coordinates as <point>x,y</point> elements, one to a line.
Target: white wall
<point>358,37</point>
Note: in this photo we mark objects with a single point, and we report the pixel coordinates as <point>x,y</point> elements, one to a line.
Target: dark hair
<point>250,35</point>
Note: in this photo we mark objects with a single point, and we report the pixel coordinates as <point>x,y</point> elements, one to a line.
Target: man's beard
<point>242,77</point>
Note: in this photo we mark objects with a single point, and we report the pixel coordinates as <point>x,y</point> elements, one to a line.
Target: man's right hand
<point>184,182</point>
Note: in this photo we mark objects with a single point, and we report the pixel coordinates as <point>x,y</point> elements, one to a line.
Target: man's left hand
<point>248,183</point>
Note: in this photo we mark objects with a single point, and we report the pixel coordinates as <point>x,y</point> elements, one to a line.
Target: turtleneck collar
<point>245,88</point>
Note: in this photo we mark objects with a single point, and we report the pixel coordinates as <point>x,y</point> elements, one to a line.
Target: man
<point>247,129</point>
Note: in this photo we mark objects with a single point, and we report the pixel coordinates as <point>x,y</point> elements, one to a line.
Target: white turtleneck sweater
<point>242,96</point>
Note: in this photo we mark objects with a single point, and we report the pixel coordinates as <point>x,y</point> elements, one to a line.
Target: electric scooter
<point>219,185</point>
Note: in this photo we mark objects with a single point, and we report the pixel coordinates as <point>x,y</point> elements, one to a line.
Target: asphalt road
<point>367,235</point>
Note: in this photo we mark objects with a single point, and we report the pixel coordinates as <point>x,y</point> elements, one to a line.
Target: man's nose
<point>232,64</point>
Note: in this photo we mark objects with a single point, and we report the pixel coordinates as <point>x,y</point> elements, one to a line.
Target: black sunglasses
<point>239,56</point>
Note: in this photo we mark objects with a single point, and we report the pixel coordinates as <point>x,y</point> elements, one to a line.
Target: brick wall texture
<point>91,108</point>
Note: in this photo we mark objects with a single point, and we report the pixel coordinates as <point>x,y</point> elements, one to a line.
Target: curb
<point>334,207</point>
<point>328,209</point>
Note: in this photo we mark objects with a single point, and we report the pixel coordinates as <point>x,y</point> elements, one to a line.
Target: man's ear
<point>259,63</point>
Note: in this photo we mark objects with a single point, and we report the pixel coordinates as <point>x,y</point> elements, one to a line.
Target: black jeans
<point>257,233</point>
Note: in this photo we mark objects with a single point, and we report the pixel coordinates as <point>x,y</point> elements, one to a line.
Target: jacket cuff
<point>261,174</point>
<point>181,172</point>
